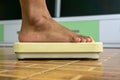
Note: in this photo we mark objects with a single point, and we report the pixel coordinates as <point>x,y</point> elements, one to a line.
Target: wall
<point>1,32</point>
<point>105,28</point>
<point>90,27</point>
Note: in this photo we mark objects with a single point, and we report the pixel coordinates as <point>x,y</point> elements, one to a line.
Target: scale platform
<point>26,50</point>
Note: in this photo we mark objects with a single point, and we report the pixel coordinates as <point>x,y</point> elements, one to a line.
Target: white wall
<point>110,31</point>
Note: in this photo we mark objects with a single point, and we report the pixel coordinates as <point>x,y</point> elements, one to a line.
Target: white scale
<point>26,50</point>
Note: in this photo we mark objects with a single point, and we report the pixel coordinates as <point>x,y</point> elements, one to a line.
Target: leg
<point>38,25</point>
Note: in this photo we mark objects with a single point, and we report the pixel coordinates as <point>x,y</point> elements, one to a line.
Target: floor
<point>106,68</point>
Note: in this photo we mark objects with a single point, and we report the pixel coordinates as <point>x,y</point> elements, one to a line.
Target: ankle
<point>33,20</point>
<point>35,23</point>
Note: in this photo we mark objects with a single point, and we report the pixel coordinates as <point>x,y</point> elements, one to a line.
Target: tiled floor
<point>106,68</point>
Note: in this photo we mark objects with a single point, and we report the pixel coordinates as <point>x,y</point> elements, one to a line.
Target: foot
<point>48,30</point>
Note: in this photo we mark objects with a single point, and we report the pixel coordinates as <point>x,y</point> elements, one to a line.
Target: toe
<point>85,38</point>
<point>77,39</point>
<point>89,39</point>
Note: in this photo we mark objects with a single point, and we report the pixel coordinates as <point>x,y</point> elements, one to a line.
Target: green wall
<point>1,33</point>
<point>1,38</point>
<point>89,28</point>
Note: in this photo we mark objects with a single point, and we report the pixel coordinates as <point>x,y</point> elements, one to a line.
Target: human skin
<point>38,25</point>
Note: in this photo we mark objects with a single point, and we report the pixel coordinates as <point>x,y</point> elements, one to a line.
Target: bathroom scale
<point>29,50</point>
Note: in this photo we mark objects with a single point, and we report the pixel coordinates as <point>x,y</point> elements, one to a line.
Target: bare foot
<point>48,30</point>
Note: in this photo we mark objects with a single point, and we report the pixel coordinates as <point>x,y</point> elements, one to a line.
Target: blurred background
<point>98,18</point>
